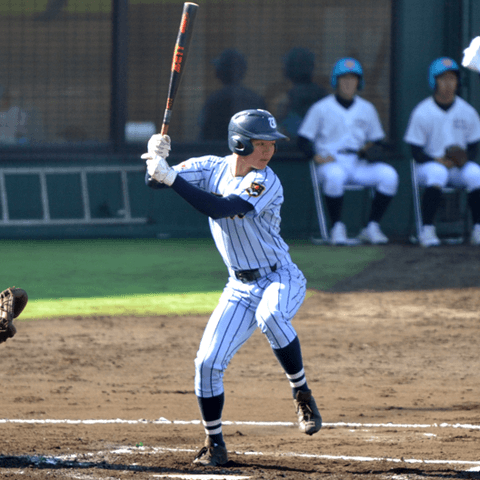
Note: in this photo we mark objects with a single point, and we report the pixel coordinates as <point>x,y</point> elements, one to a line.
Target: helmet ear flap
<point>240,145</point>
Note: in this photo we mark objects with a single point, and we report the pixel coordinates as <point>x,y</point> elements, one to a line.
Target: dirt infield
<point>391,355</point>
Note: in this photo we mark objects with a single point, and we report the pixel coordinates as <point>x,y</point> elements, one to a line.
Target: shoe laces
<point>202,452</point>
<point>306,410</point>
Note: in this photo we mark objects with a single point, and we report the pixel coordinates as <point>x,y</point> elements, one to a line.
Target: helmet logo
<point>272,122</point>
<point>447,62</point>
<point>350,64</point>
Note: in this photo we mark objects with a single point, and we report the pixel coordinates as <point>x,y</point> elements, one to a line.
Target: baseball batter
<point>242,197</point>
<point>338,132</point>
<point>439,124</point>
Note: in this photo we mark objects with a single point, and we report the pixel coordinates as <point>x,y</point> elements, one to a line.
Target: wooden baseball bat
<point>179,58</point>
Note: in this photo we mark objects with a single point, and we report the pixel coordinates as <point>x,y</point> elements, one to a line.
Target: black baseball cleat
<point>309,418</point>
<point>211,455</point>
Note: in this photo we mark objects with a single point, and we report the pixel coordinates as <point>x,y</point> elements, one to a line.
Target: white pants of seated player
<point>434,174</point>
<point>269,304</point>
<point>334,176</point>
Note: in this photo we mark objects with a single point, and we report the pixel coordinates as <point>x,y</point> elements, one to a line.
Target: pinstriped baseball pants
<point>270,303</point>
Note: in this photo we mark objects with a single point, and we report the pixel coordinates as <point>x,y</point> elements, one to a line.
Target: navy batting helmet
<point>251,124</point>
<point>344,66</point>
<point>440,66</point>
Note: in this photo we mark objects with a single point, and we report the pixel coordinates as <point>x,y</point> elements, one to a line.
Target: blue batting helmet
<point>251,124</point>
<point>344,66</point>
<point>440,66</point>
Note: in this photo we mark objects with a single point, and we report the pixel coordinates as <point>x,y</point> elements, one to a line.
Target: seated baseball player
<point>242,197</point>
<point>343,134</point>
<point>444,134</point>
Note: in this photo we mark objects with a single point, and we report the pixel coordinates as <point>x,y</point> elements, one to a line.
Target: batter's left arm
<point>207,203</point>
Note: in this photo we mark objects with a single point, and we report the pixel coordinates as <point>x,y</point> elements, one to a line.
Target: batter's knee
<point>208,378</point>
<point>278,330</point>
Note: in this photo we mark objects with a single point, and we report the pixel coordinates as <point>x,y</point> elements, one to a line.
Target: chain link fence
<point>56,61</point>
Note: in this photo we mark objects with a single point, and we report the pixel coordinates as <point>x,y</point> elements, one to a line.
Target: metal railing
<point>87,218</point>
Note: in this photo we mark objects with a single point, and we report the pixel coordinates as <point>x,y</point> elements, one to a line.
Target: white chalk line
<point>202,477</point>
<point>128,450</point>
<point>148,450</point>
<point>164,421</point>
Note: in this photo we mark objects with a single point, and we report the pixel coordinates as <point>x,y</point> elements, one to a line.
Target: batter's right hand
<point>159,170</point>
<point>159,145</point>
<point>321,160</point>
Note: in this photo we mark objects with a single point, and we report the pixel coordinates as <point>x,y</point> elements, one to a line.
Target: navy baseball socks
<point>211,409</point>
<point>290,358</point>
<point>214,452</point>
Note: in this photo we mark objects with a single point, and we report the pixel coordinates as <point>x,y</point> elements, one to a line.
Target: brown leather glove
<point>457,155</point>
<point>12,302</point>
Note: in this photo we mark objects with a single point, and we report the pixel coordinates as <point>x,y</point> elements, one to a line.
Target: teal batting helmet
<point>440,66</point>
<point>344,66</point>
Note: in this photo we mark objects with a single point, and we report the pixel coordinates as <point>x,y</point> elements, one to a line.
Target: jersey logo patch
<point>255,189</point>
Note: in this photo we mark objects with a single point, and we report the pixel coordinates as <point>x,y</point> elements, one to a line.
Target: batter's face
<point>347,85</point>
<point>447,85</point>
<point>263,151</point>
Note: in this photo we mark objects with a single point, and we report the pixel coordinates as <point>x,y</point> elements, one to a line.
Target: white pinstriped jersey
<point>332,127</point>
<point>254,240</point>
<point>435,129</point>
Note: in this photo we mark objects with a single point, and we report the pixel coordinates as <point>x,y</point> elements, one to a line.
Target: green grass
<point>146,276</point>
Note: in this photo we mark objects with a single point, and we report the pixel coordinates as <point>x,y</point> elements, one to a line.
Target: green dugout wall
<point>107,196</point>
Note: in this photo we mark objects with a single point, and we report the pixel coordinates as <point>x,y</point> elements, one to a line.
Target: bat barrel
<point>179,58</point>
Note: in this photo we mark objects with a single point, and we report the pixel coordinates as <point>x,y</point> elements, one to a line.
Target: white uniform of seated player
<point>437,123</point>
<point>333,132</point>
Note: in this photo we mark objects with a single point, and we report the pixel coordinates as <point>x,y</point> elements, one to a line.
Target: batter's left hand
<point>159,170</point>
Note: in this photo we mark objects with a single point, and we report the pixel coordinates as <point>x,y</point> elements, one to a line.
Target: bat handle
<point>166,118</point>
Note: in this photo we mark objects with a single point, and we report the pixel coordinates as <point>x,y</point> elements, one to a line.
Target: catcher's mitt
<point>457,155</point>
<point>12,302</point>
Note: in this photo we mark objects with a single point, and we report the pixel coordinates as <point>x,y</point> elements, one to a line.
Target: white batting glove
<point>159,170</point>
<point>159,145</point>
<point>471,55</point>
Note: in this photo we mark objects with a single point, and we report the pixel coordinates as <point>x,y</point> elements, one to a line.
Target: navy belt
<point>248,276</point>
